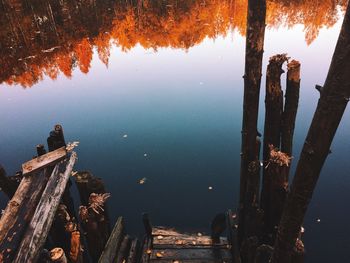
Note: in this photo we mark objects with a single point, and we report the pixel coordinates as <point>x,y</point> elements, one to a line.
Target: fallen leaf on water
<point>143,180</point>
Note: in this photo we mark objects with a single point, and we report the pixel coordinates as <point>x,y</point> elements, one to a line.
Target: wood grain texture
<point>44,160</point>
<point>39,227</point>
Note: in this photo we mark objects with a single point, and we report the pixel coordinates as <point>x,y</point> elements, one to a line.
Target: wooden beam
<point>330,109</point>
<point>113,244</point>
<point>19,211</point>
<point>255,33</point>
<point>43,161</point>
<point>39,227</point>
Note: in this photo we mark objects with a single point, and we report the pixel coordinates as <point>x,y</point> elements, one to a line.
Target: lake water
<point>178,98</point>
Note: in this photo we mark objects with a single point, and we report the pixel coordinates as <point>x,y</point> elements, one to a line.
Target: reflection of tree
<point>45,37</point>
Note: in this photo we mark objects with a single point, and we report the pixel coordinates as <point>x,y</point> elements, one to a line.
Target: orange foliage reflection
<point>44,38</point>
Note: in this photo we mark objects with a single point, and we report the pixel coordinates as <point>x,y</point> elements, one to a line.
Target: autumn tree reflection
<point>47,37</point>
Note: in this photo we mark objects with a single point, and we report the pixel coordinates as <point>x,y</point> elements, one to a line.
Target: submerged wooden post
<point>252,78</point>
<point>95,224</point>
<point>330,109</point>
<point>88,184</point>
<point>272,127</point>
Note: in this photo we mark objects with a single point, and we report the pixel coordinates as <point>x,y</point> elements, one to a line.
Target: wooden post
<point>330,109</point>
<point>273,104</point>
<point>56,138</point>
<point>290,107</point>
<point>36,234</point>
<point>113,244</point>
<point>252,79</point>
<point>88,184</point>
<point>40,149</point>
<point>147,224</point>
<point>272,127</point>
<point>277,168</point>
<point>95,224</point>
<point>218,226</point>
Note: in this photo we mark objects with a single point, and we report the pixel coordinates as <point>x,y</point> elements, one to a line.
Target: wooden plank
<point>43,161</point>
<point>191,254</point>
<point>170,246</point>
<point>19,211</point>
<point>163,231</point>
<point>45,212</point>
<point>113,244</point>
<point>188,240</point>
<point>191,261</point>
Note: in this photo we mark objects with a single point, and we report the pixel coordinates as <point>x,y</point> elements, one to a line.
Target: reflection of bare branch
<point>96,201</point>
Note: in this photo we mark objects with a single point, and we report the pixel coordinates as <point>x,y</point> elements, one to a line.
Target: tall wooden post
<point>330,109</point>
<point>290,107</point>
<point>252,78</point>
<point>272,128</point>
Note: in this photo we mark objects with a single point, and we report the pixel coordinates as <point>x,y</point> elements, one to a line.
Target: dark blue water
<point>183,110</point>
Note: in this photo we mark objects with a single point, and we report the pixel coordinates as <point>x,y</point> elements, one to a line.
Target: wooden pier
<point>41,224</point>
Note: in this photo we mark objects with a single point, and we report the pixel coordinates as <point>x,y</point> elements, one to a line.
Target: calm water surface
<point>181,110</point>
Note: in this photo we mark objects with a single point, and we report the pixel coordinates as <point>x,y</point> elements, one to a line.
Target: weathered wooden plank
<point>43,217</point>
<point>113,244</point>
<point>163,231</point>
<point>186,240</point>
<point>44,160</point>
<point>19,211</point>
<point>191,254</point>
<point>214,246</point>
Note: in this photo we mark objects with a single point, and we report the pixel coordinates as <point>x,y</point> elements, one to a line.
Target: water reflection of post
<point>248,199</point>
<point>330,109</point>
